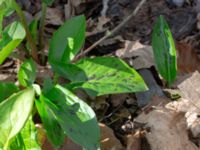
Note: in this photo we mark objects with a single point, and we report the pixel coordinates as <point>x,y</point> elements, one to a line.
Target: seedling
<point>164,50</point>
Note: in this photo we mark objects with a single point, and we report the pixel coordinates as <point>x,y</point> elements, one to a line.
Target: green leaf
<point>69,71</point>
<point>54,131</point>
<point>14,113</point>
<point>103,75</point>
<point>67,40</point>
<point>164,50</point>
<point>7,89</point>
<point>26,139</point>
<point>12,37</point>
<point>76,118</point>
<point>47,85</point>
<point>27,73</point>
<point>48,2</point>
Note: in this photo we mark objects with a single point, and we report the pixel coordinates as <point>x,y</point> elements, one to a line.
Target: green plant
<point>164,50</point>
<point>61,111</point>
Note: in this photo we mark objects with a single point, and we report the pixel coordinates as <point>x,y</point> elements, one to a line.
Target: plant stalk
<point>41,31</point>
<point>28,34</point>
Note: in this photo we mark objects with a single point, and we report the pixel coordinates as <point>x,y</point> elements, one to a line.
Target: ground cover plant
<point>62,113</point>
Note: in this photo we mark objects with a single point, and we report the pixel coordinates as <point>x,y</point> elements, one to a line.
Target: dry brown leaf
<point>134,141</point>
<point>98,27</point>
<point>118,99</point>
<point>191,106</point>
<point>188,61</point>
<point>54,16</point>
<point>108,139</point>
<point>168,130</point>
<point>140,56</point>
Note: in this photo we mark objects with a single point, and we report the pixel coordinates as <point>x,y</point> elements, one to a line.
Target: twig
<point>113,31</point>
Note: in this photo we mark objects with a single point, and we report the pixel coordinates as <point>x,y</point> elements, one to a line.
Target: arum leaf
<point>76,118</point>
<point>27,73</point>
<point>164,50</point>
<point>67,40</point>
<point>12,37</point>
<point>14,113</point>
<point>103,75</point>
<point>26,139</point>
<point>7,89</point>
<point>54,131</point>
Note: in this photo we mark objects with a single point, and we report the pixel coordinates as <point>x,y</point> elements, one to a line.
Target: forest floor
<point>161,118</point>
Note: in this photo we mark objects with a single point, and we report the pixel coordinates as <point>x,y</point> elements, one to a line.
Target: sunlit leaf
<point>14,113</point>
<point>67,40</point>
<point>76,118</point>
<point>27,73</point>
<point>102,75</point>
<point>164,50</point>
<point>26,139</point>
<point>12,36</point>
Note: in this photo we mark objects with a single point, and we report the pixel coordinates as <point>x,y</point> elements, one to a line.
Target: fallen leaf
<point>118,99</point>
<point>139,56</point>
<point>167,130</point>
<point>108,139</point>
<point>54,16</point>
<point>134,141</point>
<point>188,60</point>
<point>191,106</point>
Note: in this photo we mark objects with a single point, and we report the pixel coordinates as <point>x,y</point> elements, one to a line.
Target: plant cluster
<point>62,113</point>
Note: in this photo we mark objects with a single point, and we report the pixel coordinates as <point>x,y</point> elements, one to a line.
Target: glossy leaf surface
<point>164,50</point>
<point>67,40</point>
<point>27,73</point>
<point>102,75</point>
<point>14,113</point>
<point>76,118</point>
<point>12,36</point>
<point>26,139</point>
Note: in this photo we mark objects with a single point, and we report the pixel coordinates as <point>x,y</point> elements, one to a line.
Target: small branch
<point>112,32</point>
<point>28,34</point>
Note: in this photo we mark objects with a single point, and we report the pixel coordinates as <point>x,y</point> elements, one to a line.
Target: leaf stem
<point>28,34</point>
<point>41,31</point>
